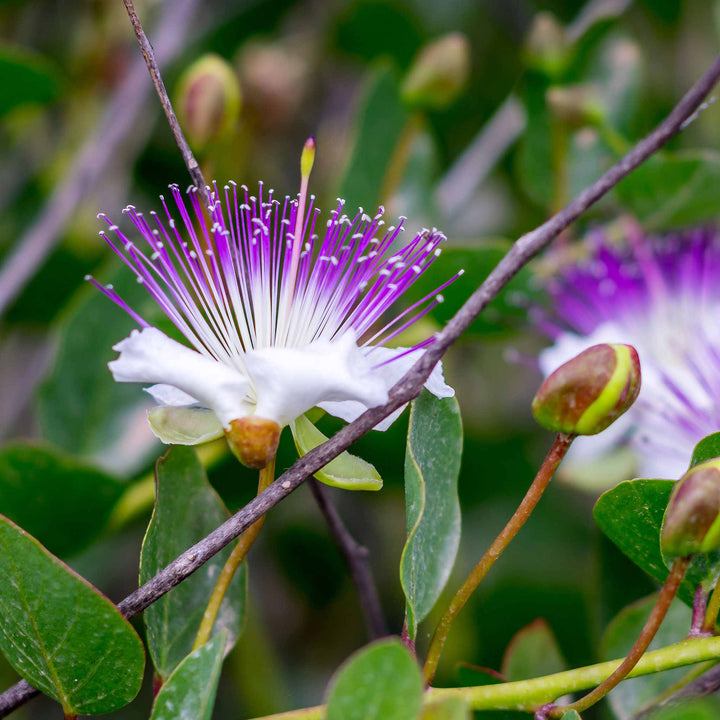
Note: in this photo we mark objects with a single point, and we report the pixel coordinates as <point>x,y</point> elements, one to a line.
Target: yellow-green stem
<point>533,495</point>
<point>713,608</point>
<point>267,474</point>
<point>667,594</point>
<point>527,695</point>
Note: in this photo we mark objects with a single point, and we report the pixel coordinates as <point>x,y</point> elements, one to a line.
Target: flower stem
<point>713,609</point>
<point>667,594</point>
<point>526,695</point>
<point>700,602</point>
<point>533,495</point>
<point>232,564</point>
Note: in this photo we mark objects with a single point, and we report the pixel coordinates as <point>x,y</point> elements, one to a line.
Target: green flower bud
<point>546,47</point>
<point>209,100</point>
<point>439,73</point>
<point>253,440</point>
<point>589,392</point>
<point>692,518</point>
<point>576,105</point>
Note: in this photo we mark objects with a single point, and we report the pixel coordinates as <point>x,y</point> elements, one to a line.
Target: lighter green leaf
<point>186,510</point>
<point>380,682</point>
<point>185,426</point>
<point>450,709</point>
<point>432,465</point>
<point>346,471</point>
<point>707,449</point>
<point>190,691</point>
<point>60,633</point>
<point>533,652</point>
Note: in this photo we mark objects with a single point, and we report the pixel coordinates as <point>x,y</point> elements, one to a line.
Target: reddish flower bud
<point>589,392</point>
<point>253,440</point>
<point>692,518</point>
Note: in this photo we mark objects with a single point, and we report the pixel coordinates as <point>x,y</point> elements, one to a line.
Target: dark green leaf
<point>190,691</point>
<point>80,407</point>
<point>346,471</point>
<point>533,652</point>
<point>621,633</point>
<point>707,449</point>
<point>432,465</point>
<point>673,190</point>
<point>380,124</point>
<point>60,633</point>
<point>26,78</point>
<point>186,510</point>
<point>42,490</point>
<point>380,682</point>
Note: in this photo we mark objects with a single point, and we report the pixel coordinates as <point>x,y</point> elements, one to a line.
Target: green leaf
<point>380,682</point>
<point>190,691</point>
<point>533,652</point>
<point>346,471</point>
<point>432,465</point>
<point>42,489</point>
<point>60,633</point>
<point>27,78</point>
<point>379,125</point>
<point>185,426</point>
<point>186,510</point>
<point>450,709</point>
<point>627,699</point>
<point>707,449</point>
<point>631,515</point>
<point>673,189</point>
<point>707,709</point>
<point>571,715</point>
<point>80,407</point>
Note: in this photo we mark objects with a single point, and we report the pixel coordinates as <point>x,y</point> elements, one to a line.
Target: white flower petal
<point>171,396</point>
<point>390,373</point>
<point>290,381</point>
<point>150,356</point>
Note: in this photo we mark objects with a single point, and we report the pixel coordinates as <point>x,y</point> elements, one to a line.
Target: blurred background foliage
<point>536,100</point>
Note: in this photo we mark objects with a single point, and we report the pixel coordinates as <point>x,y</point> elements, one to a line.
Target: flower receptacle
<point>253,440</point>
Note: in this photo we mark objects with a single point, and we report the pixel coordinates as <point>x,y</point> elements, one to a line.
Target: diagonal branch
<point>356,556</point>
<point>411,384</point>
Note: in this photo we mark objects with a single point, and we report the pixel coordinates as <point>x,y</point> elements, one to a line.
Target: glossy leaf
<point>380,682</point>
<point>631,515</point>
<point>190,691</point>
<point>673,189</point>
<point>80,407</point>
<point>450,709</point>
<point>41,489</point>
<point>186,510</point>
<point>27,78</point>
<point>533,652</point>
<point>346,471</point>
<point>432,465</point>
<point>707,449</point>
<point>627,699</point>
<point>60,633</point>
<point>380,123</point>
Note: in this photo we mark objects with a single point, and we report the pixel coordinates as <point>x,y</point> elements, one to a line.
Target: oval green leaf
<point>432,508</point>
<point>533,652</point>
<point>707,449</point>
<point>380,682</point>
<point>41,489</point>
<point>187,508</point>
<point>450,709</point>
<point>190,691</point>
<point>60,633</point>
<point>346,471</point>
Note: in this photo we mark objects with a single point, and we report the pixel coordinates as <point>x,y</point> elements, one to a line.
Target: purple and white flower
<point>281,311</point>
<point>661,295</point>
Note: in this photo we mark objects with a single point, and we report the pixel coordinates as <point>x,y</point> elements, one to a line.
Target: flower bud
<point>589,392</point>
<point>546,46</point>
<point>439,73</point>
<point>253,440</point>
<point>692,518</point>
<point>208,100</point>
<point>576,105</point>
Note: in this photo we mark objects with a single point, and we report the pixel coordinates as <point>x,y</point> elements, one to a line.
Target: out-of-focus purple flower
<point>282,310</point>
<point>661,295</point>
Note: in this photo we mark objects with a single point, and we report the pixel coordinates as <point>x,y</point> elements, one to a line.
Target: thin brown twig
<point>113,131</point>
<point>152,66</point>
<point>356,556</point>
<point>411,384</point>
